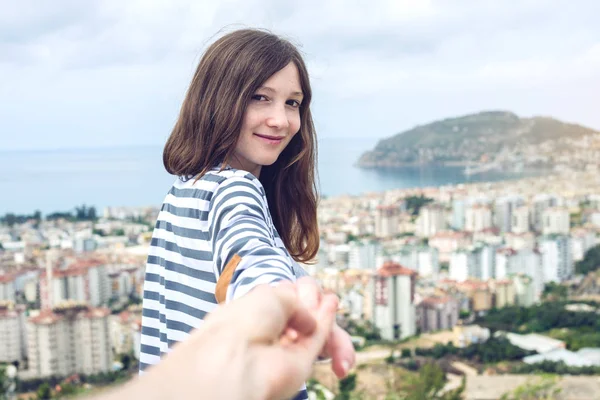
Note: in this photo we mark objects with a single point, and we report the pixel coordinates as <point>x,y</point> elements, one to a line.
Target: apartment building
<point>67,340</point>
<point>387,221</point>
<point>13,346</point>
<point>394,310</point>
<point>85,281</point>
<point>437,313</point>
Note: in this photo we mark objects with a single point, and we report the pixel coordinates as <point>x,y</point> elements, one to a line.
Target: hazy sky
<point>113,73</point>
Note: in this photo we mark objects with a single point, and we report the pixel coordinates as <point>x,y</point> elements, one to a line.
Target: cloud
<point>117,70</point>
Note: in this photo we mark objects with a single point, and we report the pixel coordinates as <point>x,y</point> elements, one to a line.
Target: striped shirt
<point>201,226</point>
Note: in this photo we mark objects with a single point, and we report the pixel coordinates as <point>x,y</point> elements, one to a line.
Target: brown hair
<point>210,120</point>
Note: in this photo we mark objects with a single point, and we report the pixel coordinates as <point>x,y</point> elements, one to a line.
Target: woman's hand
<point>339,346</point>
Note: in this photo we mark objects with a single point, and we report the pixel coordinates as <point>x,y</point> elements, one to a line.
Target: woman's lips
<point>270,139</point>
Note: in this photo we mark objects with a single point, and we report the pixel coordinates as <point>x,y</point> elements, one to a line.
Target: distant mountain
<point>486,138</point>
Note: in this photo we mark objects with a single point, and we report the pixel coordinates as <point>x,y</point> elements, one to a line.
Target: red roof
<point>433,301</point>
<point>388,207</point>
<point>45,317</point>
<point>5,278</point>
<point>78,268</point>
<point>390,268</point>
<point>450,235</point>
<point>473,285</point>
<point>507,251</point>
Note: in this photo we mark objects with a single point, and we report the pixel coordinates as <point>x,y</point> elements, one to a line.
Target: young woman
<point>242,211</point>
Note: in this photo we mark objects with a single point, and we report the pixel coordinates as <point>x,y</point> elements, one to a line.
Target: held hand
<point>239,351</point>
<point>339,346</point>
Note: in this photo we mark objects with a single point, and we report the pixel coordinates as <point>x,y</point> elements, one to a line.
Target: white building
<point>353,302</point>
<point>556,220</point>
<point>448,241</point>
<point>458,214</point>
<point>525,290</point>
<point>431,220</point>
<point>520,220</point>
<point>486,268</point>
<point>526,262</point>
<point>387,221</point>
<point>557,262</point>
<point>136,333</point>
<point>520,241</point>
<point>339,255</point>
<point>504,209</point>
<point>581,241</point>
<point>69,340</point>
<point>394,311</point>
<point>363,255</point>
<point>594,218</point>
<point>7,288</point>
<point>478,217</point>
<point>13,340</point>
<point>478,262</point>
<point>121,332</point>
<point>540,203</point>
<point>422,259</point>
<point>463,265</point>
<point>82,282</point>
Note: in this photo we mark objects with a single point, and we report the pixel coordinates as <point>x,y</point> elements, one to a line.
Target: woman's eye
<point>259,97</point>
<point>294,103</point>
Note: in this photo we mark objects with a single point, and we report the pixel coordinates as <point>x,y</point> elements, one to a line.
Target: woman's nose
<point>277,117</point>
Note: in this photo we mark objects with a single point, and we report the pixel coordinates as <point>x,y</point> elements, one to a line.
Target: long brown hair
<point>210,120</point>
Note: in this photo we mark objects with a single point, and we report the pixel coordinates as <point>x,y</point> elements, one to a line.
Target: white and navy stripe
<point>201,226</point>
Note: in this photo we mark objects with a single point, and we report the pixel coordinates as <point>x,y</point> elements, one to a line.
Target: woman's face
<point>271,120</point>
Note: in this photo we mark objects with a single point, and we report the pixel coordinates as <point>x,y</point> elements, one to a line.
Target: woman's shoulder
<point>220,183</point>
<point>216,177</point>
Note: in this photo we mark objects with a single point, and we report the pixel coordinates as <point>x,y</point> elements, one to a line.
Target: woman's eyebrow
<point>271,90</point>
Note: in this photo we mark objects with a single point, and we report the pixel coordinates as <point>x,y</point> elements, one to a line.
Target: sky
<point>112,73</point>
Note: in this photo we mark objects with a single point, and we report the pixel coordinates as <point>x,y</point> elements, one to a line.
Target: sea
<point>60,180</point>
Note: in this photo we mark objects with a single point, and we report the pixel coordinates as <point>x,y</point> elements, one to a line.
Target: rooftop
<point>391,268</point>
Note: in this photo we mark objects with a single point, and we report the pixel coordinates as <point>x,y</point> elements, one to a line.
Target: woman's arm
<point>240,226</point>
<point>240,222</point>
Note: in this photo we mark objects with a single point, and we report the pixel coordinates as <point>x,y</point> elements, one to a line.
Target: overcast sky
<point>113,73</point>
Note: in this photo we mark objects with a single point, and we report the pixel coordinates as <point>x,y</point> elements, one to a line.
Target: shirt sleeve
<point>240,224</point>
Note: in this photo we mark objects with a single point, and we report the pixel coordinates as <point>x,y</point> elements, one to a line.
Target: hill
<point>489,137</point>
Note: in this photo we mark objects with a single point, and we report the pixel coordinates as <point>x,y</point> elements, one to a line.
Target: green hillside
<point>470,138</point>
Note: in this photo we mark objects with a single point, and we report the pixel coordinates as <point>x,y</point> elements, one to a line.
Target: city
<point>421,273</point>
<point>454,146</point>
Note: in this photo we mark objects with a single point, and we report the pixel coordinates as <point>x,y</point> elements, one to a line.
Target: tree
<point>590,262</point>
<point>10,219</point>
<point>3,382</point>
<point>555,291</point>
<point>313,386</point>
<point>542,389</point>
<point>67,389</point>
<point>125,360</point>
<point>414,203</point>
<point>428,384</point>
<point>81,212</point>
<point>37,215</point>
<point>390,359</point>
<point>44,392</point>
<point>346,386</point>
